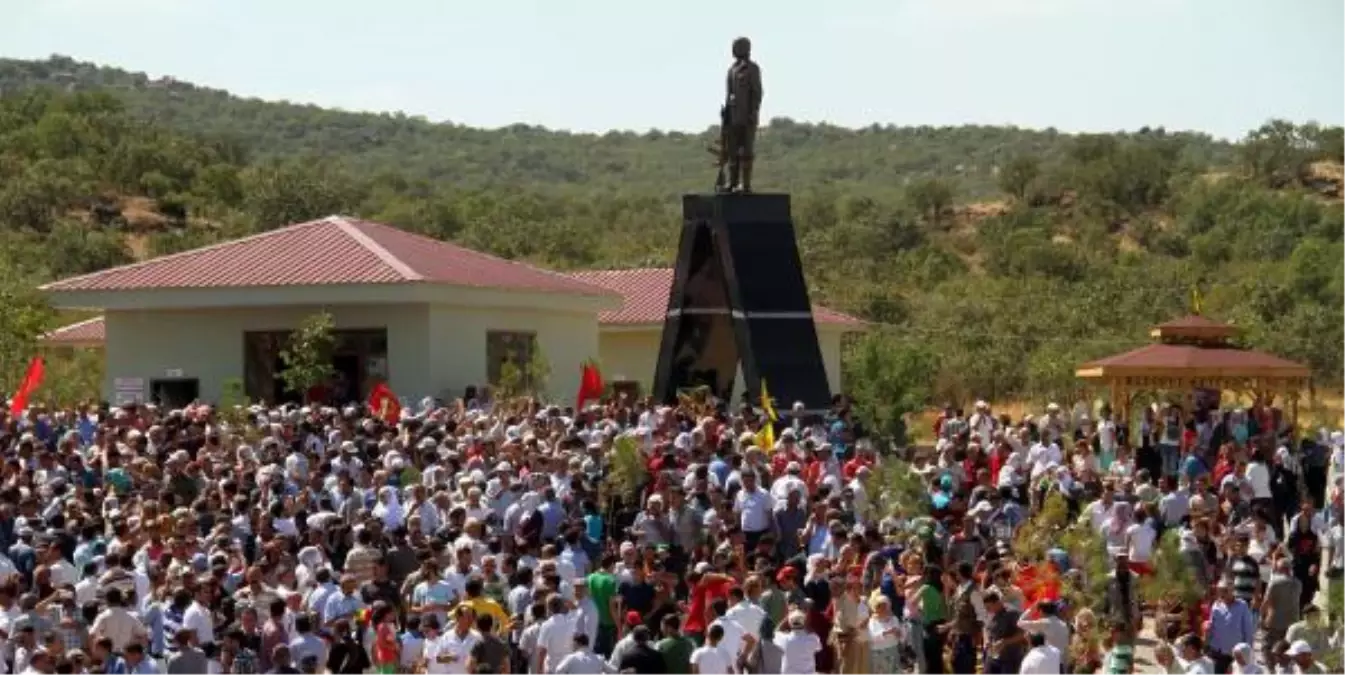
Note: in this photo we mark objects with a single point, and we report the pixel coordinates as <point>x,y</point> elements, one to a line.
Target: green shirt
<point>775,605</point>
<point>676,653</point>
<point>601,587</point>
<point>933,606</point>
<point>1120,660</point>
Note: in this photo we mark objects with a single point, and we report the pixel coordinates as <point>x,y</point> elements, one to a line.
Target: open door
<point>176,392</point>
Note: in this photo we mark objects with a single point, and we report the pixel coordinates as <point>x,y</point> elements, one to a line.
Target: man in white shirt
<point>753,506</point>
<point>789,482</point>
<point>1042,456</point>
<point>1193,661</point>
<point>116,623</point>
<point>713,658</point>
<point>1042,659</point>
<point>747,614</point>
<point>450,653</point>
<point>800,646</point>
<point>582,661</point>
<point>198,619</point>
<point>555,638</point>
<point>735,638</point>
<point>1049,625</point>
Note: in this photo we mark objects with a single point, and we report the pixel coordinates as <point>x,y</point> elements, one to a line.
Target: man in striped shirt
<point>1246,572</point>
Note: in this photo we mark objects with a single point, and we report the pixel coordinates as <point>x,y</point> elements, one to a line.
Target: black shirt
<point>637,596</point>
<point>642,659</point>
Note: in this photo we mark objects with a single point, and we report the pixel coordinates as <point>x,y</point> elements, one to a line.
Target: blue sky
<point>1221,66</point>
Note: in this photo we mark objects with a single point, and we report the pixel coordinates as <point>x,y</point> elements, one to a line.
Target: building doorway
<point>172,393</point>
<point>359,360</point>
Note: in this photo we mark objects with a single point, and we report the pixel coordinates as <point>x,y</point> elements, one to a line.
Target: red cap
<point>786,574</point>
<point>633,619</point>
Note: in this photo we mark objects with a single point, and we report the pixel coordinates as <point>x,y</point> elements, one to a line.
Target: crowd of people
<point>494,538</point>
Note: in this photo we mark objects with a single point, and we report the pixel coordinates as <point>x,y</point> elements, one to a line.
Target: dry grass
<point>141,213</point>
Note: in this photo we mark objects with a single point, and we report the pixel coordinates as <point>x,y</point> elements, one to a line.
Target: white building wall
<point>567,338</point>
<point>208,344</point>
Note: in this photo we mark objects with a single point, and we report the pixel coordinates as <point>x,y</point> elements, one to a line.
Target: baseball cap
<point>1299,647</point>
<point>633,619</point>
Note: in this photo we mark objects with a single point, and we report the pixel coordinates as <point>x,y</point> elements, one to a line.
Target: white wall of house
<point>458,345</point>
<point>208,344</point>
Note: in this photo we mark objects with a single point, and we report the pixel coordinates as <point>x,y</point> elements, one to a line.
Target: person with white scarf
<point>389,508</point>
<point>311,559</point>
<point>1244,662</point>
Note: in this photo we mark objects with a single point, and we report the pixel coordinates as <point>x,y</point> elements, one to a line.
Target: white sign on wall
<point>128,390</point>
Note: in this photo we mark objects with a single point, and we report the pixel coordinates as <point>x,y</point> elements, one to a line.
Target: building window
<point>511,347</point>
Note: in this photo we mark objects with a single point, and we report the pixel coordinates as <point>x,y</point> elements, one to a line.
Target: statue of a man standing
<point>742,109</point>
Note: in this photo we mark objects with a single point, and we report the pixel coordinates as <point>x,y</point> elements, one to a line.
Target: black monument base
<point>739,297</point>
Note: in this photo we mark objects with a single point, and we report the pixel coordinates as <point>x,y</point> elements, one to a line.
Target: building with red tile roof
<point>427,316</point>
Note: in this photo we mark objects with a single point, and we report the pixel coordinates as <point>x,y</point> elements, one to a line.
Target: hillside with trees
<point>995,259</point>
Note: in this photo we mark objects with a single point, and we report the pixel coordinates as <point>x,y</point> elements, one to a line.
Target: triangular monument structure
<point>739,297</point>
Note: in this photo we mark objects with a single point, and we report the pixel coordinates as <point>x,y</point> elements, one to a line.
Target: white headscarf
<point>389,508</point>
<point>1245,651</point>
<point>310,561</point>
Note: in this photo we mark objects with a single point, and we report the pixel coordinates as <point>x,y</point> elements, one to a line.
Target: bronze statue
<point>738,120</point>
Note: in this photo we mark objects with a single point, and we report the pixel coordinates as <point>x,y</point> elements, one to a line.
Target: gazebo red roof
<point>1193,346</point>
<point>1181,359</point>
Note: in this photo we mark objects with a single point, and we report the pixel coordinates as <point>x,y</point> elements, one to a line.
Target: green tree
<point>889,379</point>
<point>306,359</point>
<point>24,316</point>
<point>1276,153</point>
<point>1173,581</point>
<point>74,248</point>
<point>931,197</point>
<point>279,194</point>
<point>897,491</point>
<point>1016,177</point>
<point>72,377</point>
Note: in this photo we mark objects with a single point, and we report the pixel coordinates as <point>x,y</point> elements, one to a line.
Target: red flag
<point>590,384</point>
<point>384,404</point>
<point>31,381</point>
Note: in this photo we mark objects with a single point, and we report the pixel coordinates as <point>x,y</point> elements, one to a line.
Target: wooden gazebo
<point>1192,353</point>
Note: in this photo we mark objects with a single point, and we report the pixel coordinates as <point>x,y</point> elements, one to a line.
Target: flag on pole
<point>766,404</point>
<point>766,436</point>
<point>31,381</point>
<point>385,404</point>
<point>590,385</point>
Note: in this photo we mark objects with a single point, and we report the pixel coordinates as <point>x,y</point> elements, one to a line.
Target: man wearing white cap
<point>1304,661</point>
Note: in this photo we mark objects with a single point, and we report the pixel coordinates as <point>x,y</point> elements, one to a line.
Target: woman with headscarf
<point>1244,662</point>
<point>389,508</point>
<point>1305,549</point>
<point>1284,489</point>
<point>311,559</point>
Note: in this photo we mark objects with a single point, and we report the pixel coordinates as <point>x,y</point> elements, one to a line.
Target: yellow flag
<point>1196,305</point>
<point>766,437</point>
<point>766,402</point>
